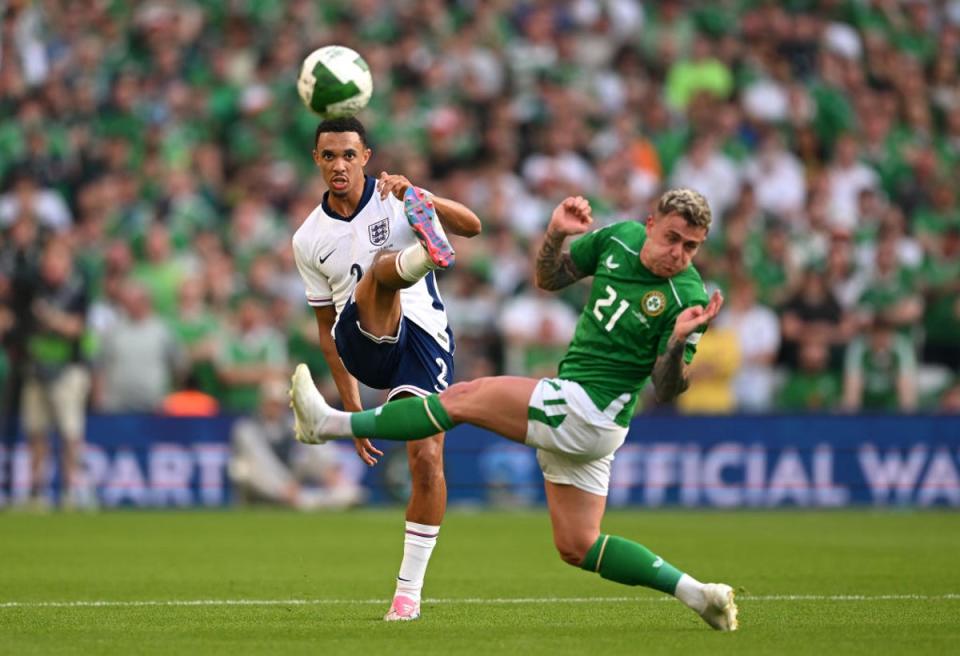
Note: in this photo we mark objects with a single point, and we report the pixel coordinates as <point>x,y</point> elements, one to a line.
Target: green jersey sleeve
<point>585,251</point>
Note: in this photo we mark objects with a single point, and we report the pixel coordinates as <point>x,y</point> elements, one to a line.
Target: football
<point>335,81</point>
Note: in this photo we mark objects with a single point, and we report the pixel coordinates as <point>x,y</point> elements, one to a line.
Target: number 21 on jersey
<point>603,303</point>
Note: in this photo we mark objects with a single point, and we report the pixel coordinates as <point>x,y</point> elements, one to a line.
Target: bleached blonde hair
<point>689,204</point>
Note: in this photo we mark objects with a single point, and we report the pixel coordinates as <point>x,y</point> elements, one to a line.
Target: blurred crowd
<point>155,161</point>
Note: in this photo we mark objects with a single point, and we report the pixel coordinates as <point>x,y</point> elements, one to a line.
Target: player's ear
<point>316,156</point>
<point>366,156</point>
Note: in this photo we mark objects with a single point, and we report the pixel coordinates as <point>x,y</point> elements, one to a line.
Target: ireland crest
<point>654,303</point>
<point>379,232</point>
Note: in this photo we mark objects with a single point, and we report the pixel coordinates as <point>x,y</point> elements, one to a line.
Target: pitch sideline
<point>465,600</point>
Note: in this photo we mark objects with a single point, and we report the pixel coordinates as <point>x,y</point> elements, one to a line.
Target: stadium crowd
<point>155,161</point>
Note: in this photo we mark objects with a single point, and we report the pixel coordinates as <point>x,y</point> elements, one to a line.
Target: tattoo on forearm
<point>669,380</point>
<point>555,269</point>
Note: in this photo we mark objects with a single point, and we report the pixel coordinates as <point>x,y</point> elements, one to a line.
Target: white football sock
<point>690,592</point>
<point>413,263</point>
<point>418,544</point>
<point>337,423</point>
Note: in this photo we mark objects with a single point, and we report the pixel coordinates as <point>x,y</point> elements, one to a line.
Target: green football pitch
<point>279,583</point>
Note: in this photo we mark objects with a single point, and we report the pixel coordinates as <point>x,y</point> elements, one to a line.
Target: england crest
<point>379,232</point>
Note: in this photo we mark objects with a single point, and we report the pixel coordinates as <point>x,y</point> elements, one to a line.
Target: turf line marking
<point>465,600</point>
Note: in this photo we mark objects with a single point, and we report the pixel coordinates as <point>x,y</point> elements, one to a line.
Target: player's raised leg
<point>576,515</point>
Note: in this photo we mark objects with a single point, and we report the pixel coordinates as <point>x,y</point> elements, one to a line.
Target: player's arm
<point>670,371</point>
<point>346,384</point>
<point>555,268</point>
<point>455,217</point>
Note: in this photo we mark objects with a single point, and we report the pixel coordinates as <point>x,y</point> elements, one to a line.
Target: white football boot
<point>309,408</point>
<point>721,610</point>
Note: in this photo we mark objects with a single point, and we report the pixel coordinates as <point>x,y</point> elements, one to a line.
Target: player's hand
<point>392,184</point>
<point>571,217</point>
<point>694,317</point>
<point>366,450</point>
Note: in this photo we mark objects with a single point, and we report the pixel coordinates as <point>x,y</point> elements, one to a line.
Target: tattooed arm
<point>670,372</point>
<point>555,268</point>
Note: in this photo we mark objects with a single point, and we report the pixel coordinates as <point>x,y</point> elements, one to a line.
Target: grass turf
<point>486,557</point>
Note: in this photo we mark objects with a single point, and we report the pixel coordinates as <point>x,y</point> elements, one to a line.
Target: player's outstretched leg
<point>436,251</point>
<point>402,420</point>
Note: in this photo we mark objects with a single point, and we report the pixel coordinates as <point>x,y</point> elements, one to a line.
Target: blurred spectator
<point>891,293</point>
<point>813,387</point>
<point>557,170</point>
<point>880,372</point>
<point>778,177</point>
<point>813,314</point>
<point>197,330</point>
<point>758,335</point>
<point>57,380</point>
<point>138,359</point>
<point>160,273</point>
<point>941,320</point>
<point>706,169</point>
<point>268,465</point>
<point>27,198</point>
<point>250,353</point>
<point>537,328</point>
<point>846,178</point>
<point>845,279</point>
<point>701,72</point>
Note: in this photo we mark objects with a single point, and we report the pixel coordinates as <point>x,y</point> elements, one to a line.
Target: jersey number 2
<point>607,302</point>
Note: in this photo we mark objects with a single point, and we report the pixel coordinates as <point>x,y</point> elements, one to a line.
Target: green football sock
<point>630,563</point>
<point>403,420</point>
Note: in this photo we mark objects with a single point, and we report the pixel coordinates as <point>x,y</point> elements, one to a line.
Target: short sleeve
<point>586,250</point>
<point>317,286</point>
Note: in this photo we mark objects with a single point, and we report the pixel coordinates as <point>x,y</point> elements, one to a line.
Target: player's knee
<point>426,464</point>
<point>459,399</point>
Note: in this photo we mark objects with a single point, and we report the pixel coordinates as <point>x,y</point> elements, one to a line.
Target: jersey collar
<point>368,188</point>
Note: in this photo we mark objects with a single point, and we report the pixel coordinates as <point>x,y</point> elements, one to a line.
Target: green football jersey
<point>629,317</point>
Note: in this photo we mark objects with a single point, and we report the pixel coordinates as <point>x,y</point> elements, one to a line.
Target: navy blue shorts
<point>412,362</point>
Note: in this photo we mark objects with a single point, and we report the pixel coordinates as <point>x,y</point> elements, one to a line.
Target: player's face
<point>671,244</point>
<point>341,157</point>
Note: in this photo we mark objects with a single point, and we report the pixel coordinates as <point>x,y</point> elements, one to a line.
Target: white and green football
<point>335,81</point>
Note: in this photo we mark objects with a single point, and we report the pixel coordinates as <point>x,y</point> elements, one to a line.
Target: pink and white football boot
<point>403,609</point>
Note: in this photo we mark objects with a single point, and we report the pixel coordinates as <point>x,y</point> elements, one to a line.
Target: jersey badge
<point>379,232</point>
<point>654,303</point>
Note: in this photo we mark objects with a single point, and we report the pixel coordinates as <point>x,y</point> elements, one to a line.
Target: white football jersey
<point>333,251</point>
